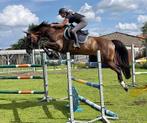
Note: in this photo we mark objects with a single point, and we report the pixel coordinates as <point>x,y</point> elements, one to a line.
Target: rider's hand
<point>52,25</point>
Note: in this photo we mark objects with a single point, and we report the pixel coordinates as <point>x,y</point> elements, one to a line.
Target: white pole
<point>70,87</point>
<point>33,59</point>
<point>45,76</point>
<point>103,117</point>
<point>133,65</point>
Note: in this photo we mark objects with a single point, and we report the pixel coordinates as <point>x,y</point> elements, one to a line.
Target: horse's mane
<point>58,27</point>
<point>37,27</point>
<point>43,24</point>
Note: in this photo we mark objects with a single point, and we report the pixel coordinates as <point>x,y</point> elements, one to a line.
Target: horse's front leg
<point>51,45</point>
<point>51,53</point>
<point>47,51</point>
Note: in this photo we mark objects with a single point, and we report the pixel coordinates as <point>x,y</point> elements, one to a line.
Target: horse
<point>113,52</point>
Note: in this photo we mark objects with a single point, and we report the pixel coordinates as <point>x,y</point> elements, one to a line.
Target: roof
<point>125,38</point>
<point>12,52</point>
<point>143,36</point>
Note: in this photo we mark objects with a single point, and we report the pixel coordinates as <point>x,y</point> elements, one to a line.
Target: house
<point>127,39</point>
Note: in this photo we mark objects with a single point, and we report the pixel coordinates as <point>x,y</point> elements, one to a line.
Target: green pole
<point>20,92</point>
<point>21,77</point>
<point>20,66</point>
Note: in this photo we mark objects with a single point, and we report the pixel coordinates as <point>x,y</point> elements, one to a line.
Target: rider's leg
<point>76,43</point>
<point>78,27</point>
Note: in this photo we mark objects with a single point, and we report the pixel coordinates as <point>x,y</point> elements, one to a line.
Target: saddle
<point>82,34</point>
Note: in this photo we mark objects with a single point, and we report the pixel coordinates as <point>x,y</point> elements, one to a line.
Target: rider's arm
<point>62,24</point>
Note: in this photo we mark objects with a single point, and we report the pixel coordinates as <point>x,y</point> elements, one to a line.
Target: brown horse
<point>113,52</point>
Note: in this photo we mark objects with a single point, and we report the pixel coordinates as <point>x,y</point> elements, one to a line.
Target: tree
<point>144,31</point>
<point>20,44</point>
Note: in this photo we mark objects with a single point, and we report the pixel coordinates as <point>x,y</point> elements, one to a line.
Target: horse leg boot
<point>122,83</point>
<point>76,41</point>
<point>119,75</point>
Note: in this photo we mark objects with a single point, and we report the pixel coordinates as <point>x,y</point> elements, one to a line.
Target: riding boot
<point>76,43</point>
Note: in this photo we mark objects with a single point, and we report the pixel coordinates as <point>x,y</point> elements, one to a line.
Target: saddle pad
<point>82,37</point>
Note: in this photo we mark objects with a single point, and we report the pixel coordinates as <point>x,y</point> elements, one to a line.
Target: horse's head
<point>31,41</point>
<point>33,36</point>
<point>45,36</point>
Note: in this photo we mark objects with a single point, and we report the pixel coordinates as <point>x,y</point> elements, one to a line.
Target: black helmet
<point>63,10</point>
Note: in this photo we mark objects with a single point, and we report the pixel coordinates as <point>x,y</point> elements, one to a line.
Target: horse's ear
<point>26,32</point>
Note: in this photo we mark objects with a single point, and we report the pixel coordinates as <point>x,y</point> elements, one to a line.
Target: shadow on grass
<point>24,104</point>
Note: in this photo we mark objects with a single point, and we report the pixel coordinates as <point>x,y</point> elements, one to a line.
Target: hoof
<point>124,86</point>
<point>126,89</point>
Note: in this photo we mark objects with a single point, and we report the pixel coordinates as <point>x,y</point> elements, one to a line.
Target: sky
<point>104,16</point>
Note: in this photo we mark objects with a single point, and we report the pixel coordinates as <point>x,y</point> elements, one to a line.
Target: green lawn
<point>28,109</point>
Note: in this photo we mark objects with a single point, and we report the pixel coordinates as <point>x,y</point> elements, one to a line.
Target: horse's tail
<point>122,58</point>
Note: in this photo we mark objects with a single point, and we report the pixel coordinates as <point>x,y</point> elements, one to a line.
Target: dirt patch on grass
<point>57,72</point>
<point>22,74</point>
<point>140,102</point>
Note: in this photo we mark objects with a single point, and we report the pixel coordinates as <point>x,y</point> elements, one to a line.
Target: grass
<point>28,109</point>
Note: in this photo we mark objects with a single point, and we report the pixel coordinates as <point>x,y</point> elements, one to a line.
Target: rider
<point>72,17</point>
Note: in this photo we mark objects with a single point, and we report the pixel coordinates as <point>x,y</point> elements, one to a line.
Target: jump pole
<point>20,66</point>
<point>134,73</point>
<point>133,66</point>
<point>97,107</point>
<point>86,82</point>
<point>21,92</point>
<point>103,117</point>
<point>70,93</point>
<point>45,79</point>
<point>77,98</point>
<point>21,77</point>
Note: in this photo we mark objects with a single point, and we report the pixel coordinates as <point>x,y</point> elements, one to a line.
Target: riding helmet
<point>63,10</point>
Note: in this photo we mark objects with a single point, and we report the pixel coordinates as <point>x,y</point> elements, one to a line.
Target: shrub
<point>144,65</point>
<point>80,65</point>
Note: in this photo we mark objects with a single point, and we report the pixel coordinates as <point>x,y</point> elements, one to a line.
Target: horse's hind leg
<point>117,69</point>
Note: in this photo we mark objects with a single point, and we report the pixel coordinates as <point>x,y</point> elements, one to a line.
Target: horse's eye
<point>29,36</point>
